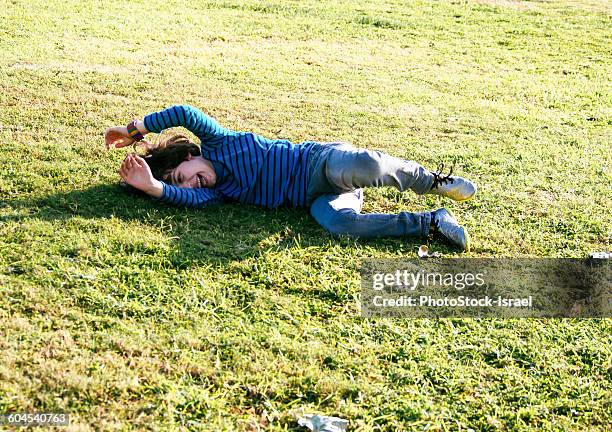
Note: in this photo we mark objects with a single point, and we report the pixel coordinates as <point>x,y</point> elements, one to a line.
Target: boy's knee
<point>342,223</point>
<point>336,222</point>
<point>368,164</point>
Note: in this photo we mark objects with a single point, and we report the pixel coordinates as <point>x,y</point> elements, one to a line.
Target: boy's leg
<point>340,215</point>
<point>349,168</point>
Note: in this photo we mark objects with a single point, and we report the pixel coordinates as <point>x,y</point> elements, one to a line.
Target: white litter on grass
<point>600,255</point>
<point>318,423</point>
<point>424,253</point>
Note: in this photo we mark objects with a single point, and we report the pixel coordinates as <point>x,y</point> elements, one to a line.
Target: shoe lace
<point>440,179</point>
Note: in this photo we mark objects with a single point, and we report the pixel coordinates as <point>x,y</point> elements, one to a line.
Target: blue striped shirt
<point>250,169</point>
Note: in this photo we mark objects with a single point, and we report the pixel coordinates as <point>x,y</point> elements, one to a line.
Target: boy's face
<point>195,172</point>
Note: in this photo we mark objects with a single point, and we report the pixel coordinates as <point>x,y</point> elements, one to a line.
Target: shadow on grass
<point>218,234</point>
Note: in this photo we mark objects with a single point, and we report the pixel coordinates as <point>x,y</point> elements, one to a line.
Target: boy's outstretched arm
<point>203,126</point>
<point>119,136</point>
<point>200,124</point>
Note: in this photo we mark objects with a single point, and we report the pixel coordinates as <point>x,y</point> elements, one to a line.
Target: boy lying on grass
<point>245,167</point>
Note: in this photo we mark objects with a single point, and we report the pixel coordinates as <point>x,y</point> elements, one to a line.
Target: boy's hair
<point>168,153</point>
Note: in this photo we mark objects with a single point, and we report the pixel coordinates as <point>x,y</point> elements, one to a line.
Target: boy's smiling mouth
<point>202,182</point>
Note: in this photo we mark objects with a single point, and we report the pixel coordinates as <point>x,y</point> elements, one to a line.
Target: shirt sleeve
<point>200,124</point>
<point>189,197</point>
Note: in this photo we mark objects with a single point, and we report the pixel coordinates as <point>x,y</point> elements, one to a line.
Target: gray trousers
<point>339,171</point>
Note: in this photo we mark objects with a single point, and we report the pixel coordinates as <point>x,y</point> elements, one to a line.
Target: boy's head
<point>178,161</point>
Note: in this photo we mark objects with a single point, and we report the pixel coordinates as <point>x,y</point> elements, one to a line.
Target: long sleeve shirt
<point>250,169</point>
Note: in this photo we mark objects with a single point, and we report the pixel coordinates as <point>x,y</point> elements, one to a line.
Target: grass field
<point>130,315</point>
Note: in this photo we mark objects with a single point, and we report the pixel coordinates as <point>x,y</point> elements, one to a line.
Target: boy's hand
<point>117,137</point>
<point>136,172</point>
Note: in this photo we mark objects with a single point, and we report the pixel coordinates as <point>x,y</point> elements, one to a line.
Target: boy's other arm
<point>203,126</point>
<point>188,197</point>
<point>136,172</point>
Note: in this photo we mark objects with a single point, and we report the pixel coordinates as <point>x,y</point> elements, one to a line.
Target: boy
<point>248,168</point>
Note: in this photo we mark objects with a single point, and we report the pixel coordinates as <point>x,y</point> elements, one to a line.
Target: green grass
<point>130,315</point>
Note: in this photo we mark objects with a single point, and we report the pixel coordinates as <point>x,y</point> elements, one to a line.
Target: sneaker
<point>455,188</point>
<point>443,222</point>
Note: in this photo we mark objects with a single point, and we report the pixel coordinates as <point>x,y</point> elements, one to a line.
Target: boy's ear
<point>189,156</point>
